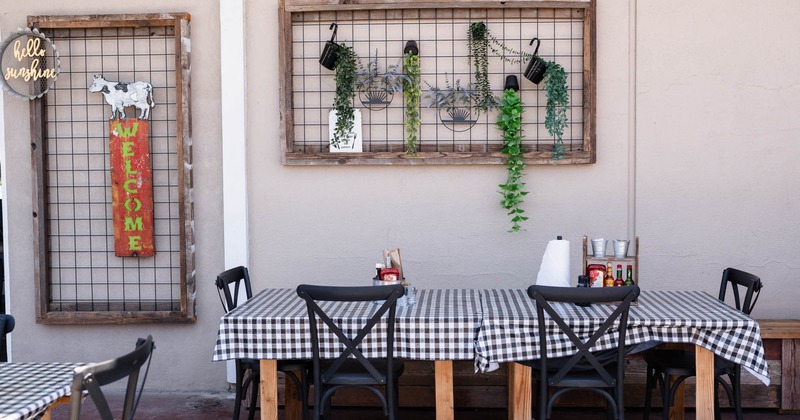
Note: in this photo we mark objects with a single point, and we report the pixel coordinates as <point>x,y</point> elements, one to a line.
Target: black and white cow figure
<point>120,95</point>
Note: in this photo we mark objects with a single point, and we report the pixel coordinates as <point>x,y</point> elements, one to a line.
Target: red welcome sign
<point>131,188</point>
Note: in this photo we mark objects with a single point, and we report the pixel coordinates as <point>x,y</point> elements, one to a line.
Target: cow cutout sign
<point>131,171</point>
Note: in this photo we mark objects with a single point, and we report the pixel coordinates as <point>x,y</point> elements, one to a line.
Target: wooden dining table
<point>490,327</point>
<point>31,389</point>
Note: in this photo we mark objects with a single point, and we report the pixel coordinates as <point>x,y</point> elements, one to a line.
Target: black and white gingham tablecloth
<point>508,330</point>
<point>27,389</point>
<point>441,325</point>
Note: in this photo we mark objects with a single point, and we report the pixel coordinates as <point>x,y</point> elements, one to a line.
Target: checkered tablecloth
<point>27,389</point>
<point>508,330</point>
<point>441,325</point>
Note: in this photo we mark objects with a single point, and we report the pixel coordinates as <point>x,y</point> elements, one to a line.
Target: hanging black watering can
<point>537,66</point>
<point>330,51</point>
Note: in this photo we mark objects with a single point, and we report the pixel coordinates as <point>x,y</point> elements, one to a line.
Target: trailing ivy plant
<point>478,44</point>
<point>411,96</point>
<point>509,121</point>
<point>345,77</point>
<point>555,120</point>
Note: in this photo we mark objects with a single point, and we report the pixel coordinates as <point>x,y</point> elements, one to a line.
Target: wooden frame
<point>118,315</point>
<point>290,157</point>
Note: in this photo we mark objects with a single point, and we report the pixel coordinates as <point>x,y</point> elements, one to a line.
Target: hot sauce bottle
<point>618,281</point>
<point>608,280</point>
<point>629,280</point>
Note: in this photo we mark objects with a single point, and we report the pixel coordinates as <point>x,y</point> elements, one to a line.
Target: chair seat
<point>682,362</point>
<point>352,372</point>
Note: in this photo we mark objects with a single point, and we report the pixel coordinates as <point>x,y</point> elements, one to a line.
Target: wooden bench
<point>788,331</point>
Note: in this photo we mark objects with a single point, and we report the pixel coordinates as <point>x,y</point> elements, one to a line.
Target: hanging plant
<point>411,96</point>
<point>555,120</point>
<point>478,44</point>
<point>345,78</point>
<point>456,104</point>
<point>509,121</point>
<point>377,87</point>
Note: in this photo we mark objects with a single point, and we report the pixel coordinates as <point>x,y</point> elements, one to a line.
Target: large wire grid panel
<point>83,272</point>
<point>444,58</point>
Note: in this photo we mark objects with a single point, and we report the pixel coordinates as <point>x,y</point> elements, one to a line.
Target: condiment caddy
<point>597,266</point>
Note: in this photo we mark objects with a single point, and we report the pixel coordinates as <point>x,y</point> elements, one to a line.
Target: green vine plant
<point>345,77</point>
<point>411,96</point>
<point>509,121</point>
<point>555,120</point>
<point>478,44</point>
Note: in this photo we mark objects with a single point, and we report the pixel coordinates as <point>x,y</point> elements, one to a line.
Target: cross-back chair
<point>92,377</point>
<point>601,372</point>
<point>351,368</point>
<point>680,364</point>
<point>6,326</point>
<point>230,283</point>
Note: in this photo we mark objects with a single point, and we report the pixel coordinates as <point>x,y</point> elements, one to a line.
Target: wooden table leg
<point>519,392</point>
<point>292,406</point>
<point>269,389</point>
<point>443,372</point>
<point>704,362</point>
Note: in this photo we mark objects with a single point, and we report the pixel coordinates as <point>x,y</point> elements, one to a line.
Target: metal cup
<point>621,248</point>
<point>599,247</point>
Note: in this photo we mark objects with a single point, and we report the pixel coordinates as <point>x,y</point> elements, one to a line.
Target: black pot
<point>511,83</point>
<point>411,48</point>
<point>329,55</point>
<point>537,66</point>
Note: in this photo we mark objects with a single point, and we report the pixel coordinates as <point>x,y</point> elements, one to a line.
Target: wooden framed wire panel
<point>79,279</point>
<point>379,30</point>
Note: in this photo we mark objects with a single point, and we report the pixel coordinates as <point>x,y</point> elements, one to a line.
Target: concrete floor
<point>180,406</point>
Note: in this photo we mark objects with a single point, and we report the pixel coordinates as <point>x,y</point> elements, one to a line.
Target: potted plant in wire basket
<point>457,105</point>
<point>376,88</point>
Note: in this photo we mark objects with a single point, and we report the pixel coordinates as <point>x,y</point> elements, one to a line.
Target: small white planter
<point>354,142</point>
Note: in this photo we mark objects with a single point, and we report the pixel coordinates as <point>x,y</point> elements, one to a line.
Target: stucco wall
<point>714,131</point>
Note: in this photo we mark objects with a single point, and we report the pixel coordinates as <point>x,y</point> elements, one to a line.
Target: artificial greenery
<point>555,120</point>
<point>509,121</point>
<point>457,100</point>
<point>411,96</point>
<point>478,44</point>
<point>376,84</point>
<point>345,77</point>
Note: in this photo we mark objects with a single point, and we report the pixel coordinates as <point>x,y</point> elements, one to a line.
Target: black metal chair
<point>601,372</point>
<point>351,368</point>
<point>6,326</point>
<point>91,377</point>
<point>237,278</point>
<point>663,364</point>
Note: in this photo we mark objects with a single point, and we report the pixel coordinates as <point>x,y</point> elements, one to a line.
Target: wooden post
<point>790,367</point>
<point>519,392</point>
<point>269,389</point>
<point>704,361</point>
<point>443,371</point>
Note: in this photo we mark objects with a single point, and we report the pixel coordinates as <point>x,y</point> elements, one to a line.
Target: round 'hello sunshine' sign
<point>29,63</point>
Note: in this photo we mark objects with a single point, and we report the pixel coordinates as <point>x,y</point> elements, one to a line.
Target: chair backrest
<point>6,326</point>
<point>313,294</point>
<point>92,377</point>
<point>738,279</point>
<point>618,297</point>
<point>238,277</point>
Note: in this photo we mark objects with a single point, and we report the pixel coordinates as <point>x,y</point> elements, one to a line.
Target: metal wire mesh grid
<point>84,274</point>
<point>444,56</point>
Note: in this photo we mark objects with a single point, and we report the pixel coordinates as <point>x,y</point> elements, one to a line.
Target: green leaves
<point>346,62</point>
<point>509,121</point>
<point>555,120</point>
<point>478,45</point>
<point>411,96</point>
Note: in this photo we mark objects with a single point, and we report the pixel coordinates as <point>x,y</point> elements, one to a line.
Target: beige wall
<point>714,131</point>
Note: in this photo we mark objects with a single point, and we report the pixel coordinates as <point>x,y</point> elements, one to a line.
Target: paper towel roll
<point>554,270</point>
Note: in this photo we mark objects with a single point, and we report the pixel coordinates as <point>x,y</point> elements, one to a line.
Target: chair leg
<point>736,382</point>
<point>237,406</point>
<point>254,383</point>
<point>648,392</point>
